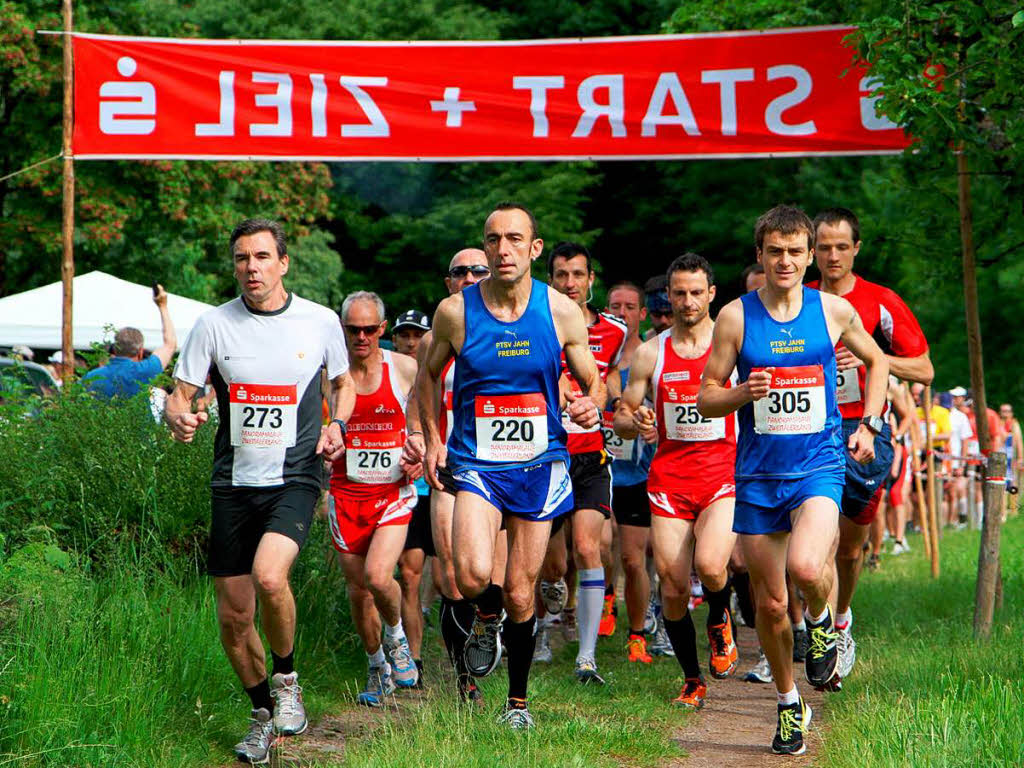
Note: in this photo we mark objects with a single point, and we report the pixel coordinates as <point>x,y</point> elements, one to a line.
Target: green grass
<point>925,692</point>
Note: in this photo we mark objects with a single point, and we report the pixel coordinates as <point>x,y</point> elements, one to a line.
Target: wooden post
<point>922,511</point>
<point>988,553</point>
<point>67,266</point>
<point>933,520</point>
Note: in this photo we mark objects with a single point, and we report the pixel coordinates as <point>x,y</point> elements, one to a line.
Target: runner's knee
<point>270,582</point>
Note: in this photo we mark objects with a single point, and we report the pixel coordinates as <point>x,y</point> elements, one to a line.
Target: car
<point>21,377</point>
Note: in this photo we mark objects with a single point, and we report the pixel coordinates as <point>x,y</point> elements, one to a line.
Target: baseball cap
<point>412,318</point>
<point>958,392</point>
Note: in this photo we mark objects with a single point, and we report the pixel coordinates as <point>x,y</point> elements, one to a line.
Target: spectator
<point>127,371</point>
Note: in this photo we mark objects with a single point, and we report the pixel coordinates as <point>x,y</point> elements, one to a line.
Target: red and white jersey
<point>607,337</point>
<point>691,447</point>
<point>373,443</point>
<point>445,419</point>
<point>892,325</point>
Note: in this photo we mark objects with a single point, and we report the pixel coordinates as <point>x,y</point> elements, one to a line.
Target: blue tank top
<point>633,470</point>
<point>506,408</point>
<point>796,430</point>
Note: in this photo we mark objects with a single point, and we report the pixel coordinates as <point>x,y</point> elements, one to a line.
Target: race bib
<point>511,427</point>
<point>682,419</point>
<point>373,457</point>
<point>795,404</point>
<point>617,447</point>
<point>847,386</point>
<point>262,415</point>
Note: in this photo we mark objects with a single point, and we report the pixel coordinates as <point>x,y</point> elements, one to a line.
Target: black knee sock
<point>283,665</point>
<point>456,620</point>
<point>609,588</point>
<point>488,602</point>
<point>520,642</point>
<point>259,695</point>
<point>683,637</point>
<point>741,583</point>
<point>718,604</point>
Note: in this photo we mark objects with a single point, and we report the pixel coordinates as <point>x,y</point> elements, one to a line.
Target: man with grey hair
<point>128,371</point>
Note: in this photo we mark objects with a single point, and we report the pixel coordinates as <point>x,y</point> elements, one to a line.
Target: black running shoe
<point>794,722</point>
<point>822,653</point>
<point>801,641</point>
<point>482,652</point>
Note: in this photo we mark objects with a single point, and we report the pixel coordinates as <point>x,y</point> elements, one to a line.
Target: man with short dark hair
<point>789,450</point>
<point>659,309</point>
<point>408,331</point>
<point>752,278</point>
<point>128,369</point>
<point>264,351</point>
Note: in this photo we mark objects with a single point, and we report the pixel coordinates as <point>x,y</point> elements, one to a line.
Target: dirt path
<point>737,724</point>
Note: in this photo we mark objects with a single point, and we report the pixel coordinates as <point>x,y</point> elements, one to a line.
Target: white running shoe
<point>255,747</point>
<point>403,668</point>
<point>554,594</point>
<point>289,712</point>
<point>379,685</point>
<point>660,645</point>
<point>847,648</point>
<point>542,651</point>
<point>516,718</point>
<point>586,671</point>
<point>651,618</point>
<point>761,672</point>
<point>899,548</point>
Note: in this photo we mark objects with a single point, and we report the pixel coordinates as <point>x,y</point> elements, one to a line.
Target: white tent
<point>100,300</point>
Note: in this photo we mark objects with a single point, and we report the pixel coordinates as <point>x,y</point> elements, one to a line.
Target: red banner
<point>734,94</point>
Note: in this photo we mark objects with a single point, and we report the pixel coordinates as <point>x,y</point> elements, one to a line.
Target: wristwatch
<point>874,423</point>
<point>342,424</point>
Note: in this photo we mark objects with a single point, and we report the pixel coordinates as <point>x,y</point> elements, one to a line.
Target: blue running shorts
<point>864,482</point>
<point>536,492</point>
<point>763,505</point>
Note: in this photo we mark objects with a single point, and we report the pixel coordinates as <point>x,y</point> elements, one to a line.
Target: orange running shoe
<point>724,655</point>
<point>607,626</point>
<point>694,692</point>
<point>637,648</point>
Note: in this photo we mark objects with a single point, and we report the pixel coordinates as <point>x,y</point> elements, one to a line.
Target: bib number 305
<point>795,404</point>
<point>262,415</point>
<point>511,427</point>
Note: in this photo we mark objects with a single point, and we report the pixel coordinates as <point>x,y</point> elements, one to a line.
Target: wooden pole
<point>933,520</point>
<point>985,596</point>
<point>67,266</point>
<point>922,512</point>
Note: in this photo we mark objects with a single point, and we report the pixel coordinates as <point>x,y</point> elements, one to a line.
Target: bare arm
<point>343,399</point>
<point>631,416</point>
<point>178,412</point>
<point>715,400</point>
<point>170,343</point>
<point>433,358</point>
<point>918,369</point>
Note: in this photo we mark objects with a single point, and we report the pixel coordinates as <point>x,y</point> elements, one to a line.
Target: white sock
<point>396,632</point>
<point>589,604</point>
<point>792,697</point>
<point>815,619</point>
<point>800,626</point>
<point>377,659</point>
<point>844,619</point>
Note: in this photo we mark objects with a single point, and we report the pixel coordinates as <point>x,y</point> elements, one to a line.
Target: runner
<point>407,336</point>
<point>374,498</point>
<point>753,278</point>
<point>1014,447</point>
<point>691,486</point>
<point>630,465</point>
<point>885,316</point>
<point>789,462</point>
<point>467,267</point>
<point>264,351</point>
<point>571,273</point>
<point>658,307</point>
<point>507,447</point>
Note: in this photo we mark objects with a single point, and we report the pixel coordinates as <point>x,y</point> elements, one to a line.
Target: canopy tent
<point>33,318</point>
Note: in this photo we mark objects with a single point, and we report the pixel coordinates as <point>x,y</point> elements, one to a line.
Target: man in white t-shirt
<point>264,352</point>
<point>959,443</point>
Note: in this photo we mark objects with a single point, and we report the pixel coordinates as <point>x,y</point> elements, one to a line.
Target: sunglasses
<point>478,270</point>
<point>367,330</point>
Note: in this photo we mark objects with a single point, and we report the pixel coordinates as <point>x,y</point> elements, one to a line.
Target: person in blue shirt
<point>128,371</point>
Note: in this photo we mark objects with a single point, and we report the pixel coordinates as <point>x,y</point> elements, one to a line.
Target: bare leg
<point>410,567</point>
<point>236,609</point>
<point>274,557</point>
<point>633,539</point>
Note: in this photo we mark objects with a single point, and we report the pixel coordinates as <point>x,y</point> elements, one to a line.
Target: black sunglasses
<point>368,330</point>
<point>478,270</point>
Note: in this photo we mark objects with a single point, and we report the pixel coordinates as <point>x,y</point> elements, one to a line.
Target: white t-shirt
<point>961,431</point>
<point>265,367</point>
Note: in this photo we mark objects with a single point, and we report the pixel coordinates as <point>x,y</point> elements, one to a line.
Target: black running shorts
<point>240,517</point>
<point>631,505</point>
<point>591,481</point>
<point>447,480</point>
<point>420,536</point>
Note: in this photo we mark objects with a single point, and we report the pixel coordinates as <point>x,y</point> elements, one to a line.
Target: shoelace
<point>517,718</point>
<point>636,644</point>
<point>287,697</point>
<point>718,640</point>
<point>375,682</point>
<point>401,656</point>
<point>787,724</point>
<point>258,732</point>
<point>819,640</point>
<point>486,641</point>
